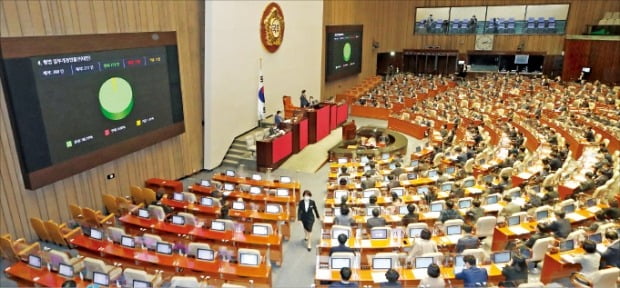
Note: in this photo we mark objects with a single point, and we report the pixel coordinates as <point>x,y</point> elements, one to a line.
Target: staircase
<point>239,154</point>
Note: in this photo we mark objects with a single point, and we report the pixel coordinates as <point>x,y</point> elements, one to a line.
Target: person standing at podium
<point>303,100</point>
<point>278,119</point>
<point>305,214</point>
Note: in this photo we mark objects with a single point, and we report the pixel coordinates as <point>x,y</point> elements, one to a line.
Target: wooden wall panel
<point>392,23</point>
<point>172,158</point>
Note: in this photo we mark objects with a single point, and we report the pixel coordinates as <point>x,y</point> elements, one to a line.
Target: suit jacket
<point>611,256</point>
<point>307,216</point>
<point>467,242</point>
<point>340,248</point>
<point>375,222</point>
<point>512,274</point>
<point>472,276</point>
<point>561,227</point>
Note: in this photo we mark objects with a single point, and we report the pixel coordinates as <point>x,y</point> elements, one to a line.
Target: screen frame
<point>331,29</point>
<point>133,241</point>
<point>104,274</point>
<point>166,244</point>
<point>215,221</point>
<point>30,257</point>
<point>60,265</point>
<point>202,249</point>
<point>254,256</point>
<point>331,262</point>
<point>381,258</point>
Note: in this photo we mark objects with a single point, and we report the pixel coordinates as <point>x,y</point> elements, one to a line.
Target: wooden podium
<point>349,131</point>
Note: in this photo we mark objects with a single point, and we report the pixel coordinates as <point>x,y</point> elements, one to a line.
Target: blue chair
<point>510,27</point>
<point>437,26</point>
<point>530,27</point>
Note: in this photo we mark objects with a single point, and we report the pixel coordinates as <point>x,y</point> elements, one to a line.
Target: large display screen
<point>81,101</point>
<point>343,51</point>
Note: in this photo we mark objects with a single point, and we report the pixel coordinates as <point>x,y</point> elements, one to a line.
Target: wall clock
<point>484,42</point>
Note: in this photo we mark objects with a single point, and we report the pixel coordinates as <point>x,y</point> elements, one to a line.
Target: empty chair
<point>506,172</point>
<point>124,205</point>
<point>39,227</point>
<point>97,265</point>
<point>92,218</point>
<point>437,159</point>
<point>136,194</point>
<point>17,250</point>
<point>478,253</point>
<point>189,197</point>
<point>250,144</point>
<point>157,212</point>
<point>149,195</point>
<point>109,201</point>
<point>115,233</point>
<point>61,257</point>
<point>192,248</point>
<point>603,278</point>
<point>485,226</point>
<point>190,219</point>
<point>60,233</point>
<point>539,249</point>
<point>469,167</point>
<point>150,241</point>
<point>184,281</point>
<point>76,213</point>
<point>134,274</point>
<point>248,252</point>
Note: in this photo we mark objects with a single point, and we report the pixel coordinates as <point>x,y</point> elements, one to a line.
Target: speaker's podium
<point>349,131</point>
<point>272,152</point>
<point>318,122</point>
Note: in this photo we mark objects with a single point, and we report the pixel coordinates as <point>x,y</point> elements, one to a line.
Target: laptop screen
<point>567,245</point>
<point>101,279</point>
<point>230,173</point>
<point>492,199</point>
<point>399,191</point>
<point>469,183</point>
<point>164,248</point>
<point>415,232</point>
<point>381,263</point>
<point>569,208</point>
<point>255,190</point>
<point>450,170</point>
<point>392,166</point>
<point>336,232</point>
<point>463,204</point>
<point>282,192</point>
<point>177,196</point>
<point>128,241</point>
<point>412,176</point>
<point>178,220</point>
<point>34,261</point>
<point>272,208</point>
<point>378,234</point>
<point>229,186</point>
<point>218,226</point>
<point>205,183</point>
<point>501,257</point>
<point>248,259</point>
<point>596,237</point>
<point>436,207</point>
<point>96,234</point>
<point>423,190</point>
<point>65,270</point>
<point>453,230</point>
<point>423,262</point>
<point>205,254</point>
<point>542,214</point>
<point>338,263</point>
<point>285,179</point>
<point>432,173</point>
<point>238,205</point>
<point>446,187</point>
<point>206,201</point>
<point>143,213</point>
<point>141,284</point>
<point>514,220</point>
<point>260,230</point>
<point>402,210</point>
<point>342,160</point>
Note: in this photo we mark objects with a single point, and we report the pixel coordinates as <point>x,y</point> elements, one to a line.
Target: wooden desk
<point>26,275</point>
<point>554,267</point>
<point>342,113</point>
<point>370,112</point>
<point>273,152</point>
<point>238,239</point>
<point>169,185</point>
<point>408,127</point>
<point>300,134</point>
<point>175,263</point>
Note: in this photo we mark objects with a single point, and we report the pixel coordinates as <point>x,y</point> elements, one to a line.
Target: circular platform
<point>360,146</point>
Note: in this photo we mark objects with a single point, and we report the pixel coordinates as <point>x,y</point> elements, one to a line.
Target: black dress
<point>307,217</point>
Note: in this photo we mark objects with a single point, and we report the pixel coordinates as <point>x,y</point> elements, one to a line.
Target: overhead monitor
<point>381,263</point>
<point>343,51</point>
<point>128,241</point>
<point>205,254</point>
<point>522,58</point>
<point>423,262</point>
<point>65,270</point>
<point>101,279</point>
<point>337,263</point>
<point>164,248</point>
<point>248,259</point>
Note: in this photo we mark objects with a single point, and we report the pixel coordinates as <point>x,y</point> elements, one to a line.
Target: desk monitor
<point>436,207</point>
<point>542,214</point>
<point>446,187</point>
<point>128,241</point>
<point>101,279</point>
<point>380,263</point>
<point>205,254</point>
<point>514,220</point>
<point>282,192</point>
<point>414,163</point>
<point>450,170</point>
<point>469,183</point>
<point>338,194</point>
<point>96,234</point>
<point>272,208</point>
<point>500,257</point>
<point>230,173</point>
<point>366,168</point>
<point>238,205</point>
<point>248,259</point>
<point>336,211</point>
<point>458,261</point>
<point>364,159</point>
<point>461,62</point>
<point>339,263</point>
<point>596,237</point>
<point>567,245</point>
<point>536,189</point>
<point>516,194</point>
<point>229,186</point>
<point>218,225</point>
<point>65,270</point>
<point>255,190</point>
<point>392,166</point>
<point>368,193</point>
<point>415,232</point>
<point>260,230</point>
<point>423,262</point>
<point>177,196</point>
<point>412,176</point>
<point>432,173</point>
<point>205,183</point>
<point>492,199</point>
<point>464,204</point>
<point>385,156</point>
<point>34,261</point>
<point>423,190</point>
<point>164,248</point>
<point>399,191</point>
<point>178,220</point>
<point>141,284</point>
<point>482,161</point>
<point>453,230</point>
<point>586,69</point>
<point>342,160</point>
<point>591,202</point>
<point>336,232</point>
<point>402,210</point>
<point>569,208</point>
<point>143,213</point>
<point>369,210</point>
<point>378,234</point>
<point>206,201</point>
<point>488,179</point>
<point>285,179</point>
<point>257,177</point>
<point>418,149</point>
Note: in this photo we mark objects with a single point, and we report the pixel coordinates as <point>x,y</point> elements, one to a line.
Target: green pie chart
<point>346,52</point>
<point>115,98</point>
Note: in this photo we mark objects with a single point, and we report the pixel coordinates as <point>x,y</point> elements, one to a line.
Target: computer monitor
<point>178,220</point>
<point>567,245</point>
<point>423,262</point>
<point>282,192</point>
<point>230,173</point>
<point>392,166</point>
<point>285,179</point>
<point>164,248</point>
<point>238,205</point>
<point>128,241</point>
<point>337,263</point>
<point>450,170</point>
<point>338,194</point>
<point>255,190</point>
<point>446,187</point>
<point>436,207</point>
<point>482,161</point>
<point>380,263</point>
<point>364,159</point>
<point>418,149</point>
<point>399,191</point>
<point>336,232</point>
<point>492,199</point>
<point>143,213</point>
<point>385,156</point>
<point>461,62</point>
<point>453,230</point>
<point>464,204</point>
<point>342,160</point>
<point>536,189</point>
<point>515,194</point>
<point>596,237</point>
<point>101,279</point>
<point>458,261</point>
<point>96,234</point>
<point>488,178</point>
<point>368,193</point>
<point>229,186</point>
<point>500,257</point>
<point>34,261</point>
<point>369,210</point>
<point>65,270</point>
<point>514,220</point>
<point>177,196</point>
<point>569,208</point>
<point>586,69</point>
<point>260,230</point>
<point>141,284</point>
<point>591,202</point>
<point>402,210</point>
<point>415,232</point>
<point>423,190</point>
<point>257,177</point>
<point>218,225</point>
<point>205,183</point>
<point>412,176</point>
<point>205,254</point>
<point>469,183</point>
<point>206,201</point>
<point>542,214</point>
<point>432,173</point>
<point>272,208</point>
<point>248,259</point>
<point>378,234</point>
<point>414,163</point>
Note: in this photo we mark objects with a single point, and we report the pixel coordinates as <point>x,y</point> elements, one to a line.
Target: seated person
<point>345,275</point>
<point>342,245</point>
<point>561,226</point>
<point>467,241</point>
<point>375,220</point>
<point>422,245</point>
<point>411,217</point>
<point>590,261</point>
<point>516,272</point>
<point>224,213</point>
<point>471,275</point>
<point>550,196</point>
<point>586,185</point>
<point>449,213</point>
<point>611,255</point>
<point>344,218</point>
<point>476,210</point>
<point>612,212</point>
<point>542,231</point>
<point>393,181</point>
<point>398,170</point>
<point>510,208</point>
<point>392,276</point>
<point>433,278</point>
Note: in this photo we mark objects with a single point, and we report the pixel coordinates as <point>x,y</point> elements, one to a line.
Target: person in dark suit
<point>472,276</point>
<point>345,275</point>
<point>516,272</point>
<point>305,214</point>
<point>561,226</point>
<point>303,100</point>
<point>375,220</point>
<point>468,241</point>
<point>542,231</point>
<point>611,256</point>
<point>392,276</point>
<point>278,119</point>
<point>342,246</point>
<point>411,217</point>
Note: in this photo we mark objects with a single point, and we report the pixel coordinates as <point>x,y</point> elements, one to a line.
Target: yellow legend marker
<point>138,122</point>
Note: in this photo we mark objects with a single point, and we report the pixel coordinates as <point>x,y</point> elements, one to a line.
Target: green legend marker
<point>115,98</point>
<point>346,52</point>
<point>69,144</point>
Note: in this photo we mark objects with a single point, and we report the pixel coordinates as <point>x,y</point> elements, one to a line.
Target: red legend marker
<point>106,132</point>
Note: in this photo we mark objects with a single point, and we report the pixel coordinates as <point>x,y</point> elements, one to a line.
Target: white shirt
<point>307,204</point>
<point>589,263</point>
